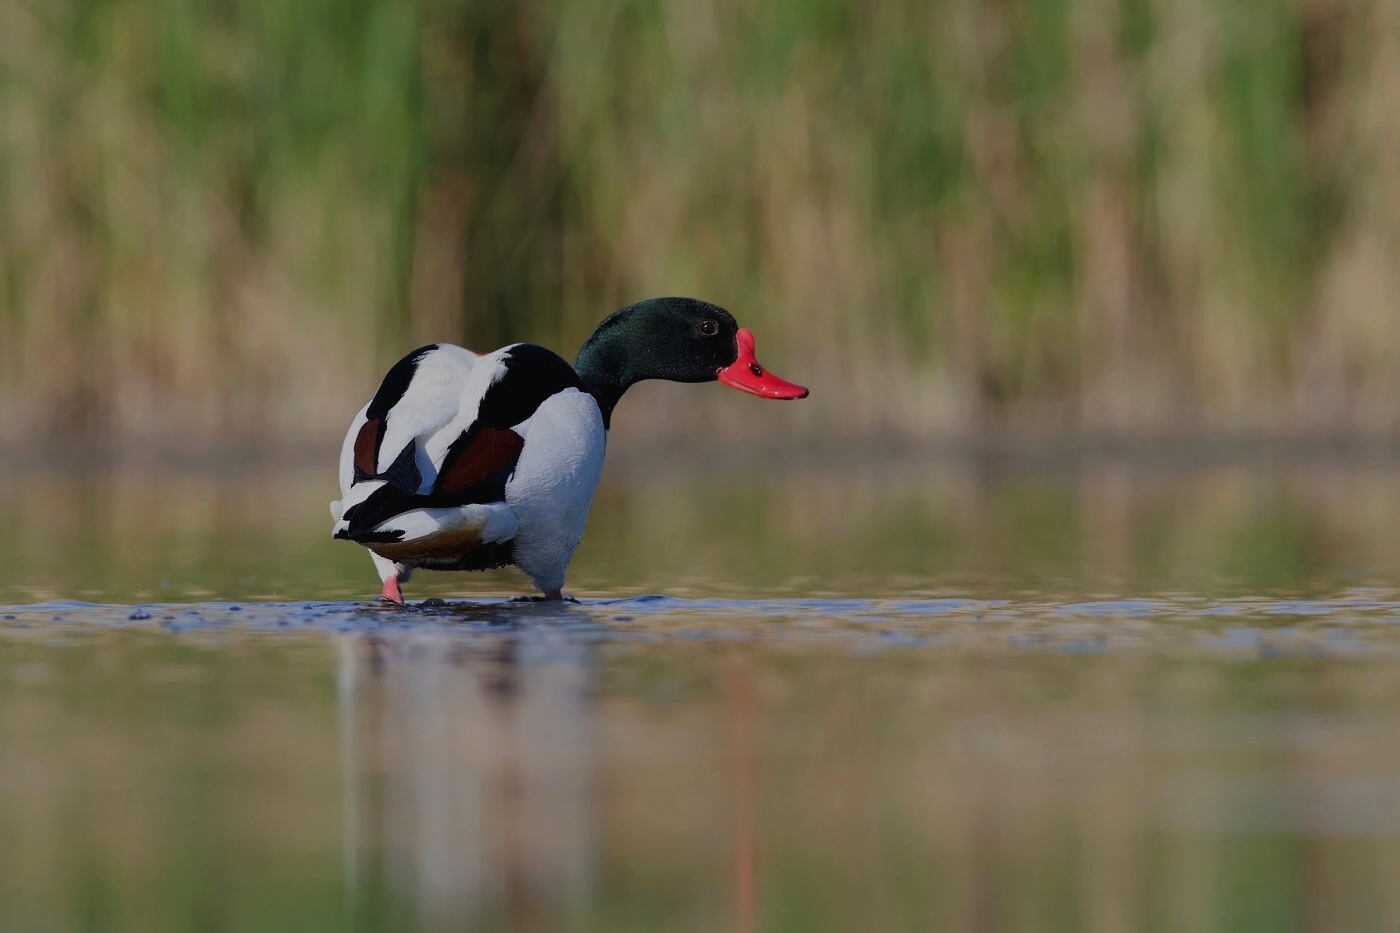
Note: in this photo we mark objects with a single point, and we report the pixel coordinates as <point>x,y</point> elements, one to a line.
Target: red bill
<point>747,375</point>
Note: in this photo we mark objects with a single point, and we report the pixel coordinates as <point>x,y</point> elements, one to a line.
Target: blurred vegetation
<point>220,219</point>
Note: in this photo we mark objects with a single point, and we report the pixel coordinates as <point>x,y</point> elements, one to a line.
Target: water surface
<point>1110,696</point>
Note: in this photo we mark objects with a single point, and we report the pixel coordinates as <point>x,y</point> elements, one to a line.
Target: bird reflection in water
<point>467,767</point>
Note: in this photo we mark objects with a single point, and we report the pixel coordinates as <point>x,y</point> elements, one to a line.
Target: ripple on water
<point>1347,625</point>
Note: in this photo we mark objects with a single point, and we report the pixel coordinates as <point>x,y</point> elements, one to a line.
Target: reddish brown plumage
<point>367,447</point>
<point>490,452</point>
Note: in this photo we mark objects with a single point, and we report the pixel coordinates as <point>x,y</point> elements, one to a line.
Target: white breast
<point>554,483</point>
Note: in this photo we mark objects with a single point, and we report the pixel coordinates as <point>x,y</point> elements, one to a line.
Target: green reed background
<point>220,219</point>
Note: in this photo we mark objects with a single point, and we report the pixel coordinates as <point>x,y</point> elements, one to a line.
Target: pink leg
<point>554,596</point>
<point>391,590</point>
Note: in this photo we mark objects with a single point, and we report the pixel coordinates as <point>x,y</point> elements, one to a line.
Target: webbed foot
<point>392,593</point>
<point>555,597</point>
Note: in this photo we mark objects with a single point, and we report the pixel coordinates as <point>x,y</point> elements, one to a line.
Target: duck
<point>467,461</point>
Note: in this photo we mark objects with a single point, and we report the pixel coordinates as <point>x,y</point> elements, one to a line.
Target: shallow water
<point>1106,696</point>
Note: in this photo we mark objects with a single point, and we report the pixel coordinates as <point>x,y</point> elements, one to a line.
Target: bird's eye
<point>709,328</point>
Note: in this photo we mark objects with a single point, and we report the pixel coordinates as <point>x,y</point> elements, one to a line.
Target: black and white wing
<point>425,464</point>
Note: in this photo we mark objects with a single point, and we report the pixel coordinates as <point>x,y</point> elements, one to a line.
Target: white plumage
<point>553,486</point>
<point>546,496</point>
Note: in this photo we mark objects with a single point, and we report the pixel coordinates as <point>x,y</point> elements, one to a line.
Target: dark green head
<point>677,339</point>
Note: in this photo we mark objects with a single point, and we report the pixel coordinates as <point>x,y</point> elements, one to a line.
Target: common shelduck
<point>464,461</point>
